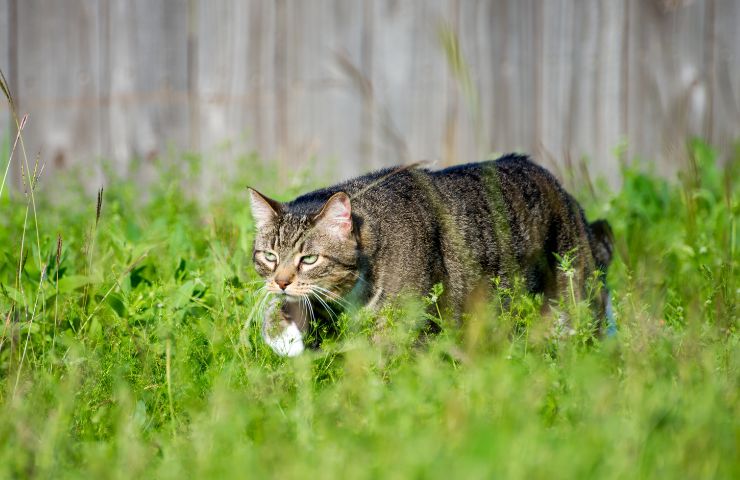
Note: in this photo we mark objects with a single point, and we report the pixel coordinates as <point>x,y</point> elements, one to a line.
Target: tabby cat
<point>403,230</point>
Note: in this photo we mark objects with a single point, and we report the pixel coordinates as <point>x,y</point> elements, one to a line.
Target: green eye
<point>269,256</point>
<point>309,259</point>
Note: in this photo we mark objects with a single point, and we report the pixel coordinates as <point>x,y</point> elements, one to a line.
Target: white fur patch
<point>288,343</point>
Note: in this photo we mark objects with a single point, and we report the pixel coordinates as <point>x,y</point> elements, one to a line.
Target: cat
<point>402,230</point>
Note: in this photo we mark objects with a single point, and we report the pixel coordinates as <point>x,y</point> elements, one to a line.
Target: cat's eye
<point>269,256</point>
<point>309,259</point>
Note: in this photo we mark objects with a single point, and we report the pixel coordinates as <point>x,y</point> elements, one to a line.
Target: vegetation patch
<point>130,348</point>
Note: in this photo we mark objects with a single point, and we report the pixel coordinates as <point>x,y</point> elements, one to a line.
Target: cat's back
<point>462,189</point>
<point>519,169</point>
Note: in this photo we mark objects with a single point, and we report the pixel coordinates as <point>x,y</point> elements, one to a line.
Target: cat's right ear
<point>264,210</point>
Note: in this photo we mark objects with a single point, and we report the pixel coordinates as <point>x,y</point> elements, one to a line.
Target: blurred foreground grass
<point>133,353</point>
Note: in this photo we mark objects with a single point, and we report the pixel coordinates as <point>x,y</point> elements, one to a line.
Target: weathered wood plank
<point>145,80</point>
<point>579,88</point>
<point>723,69</point>
<point>667,90</point>
<point>58,86</point>
<point>234,81</point>
<point>409,81</point>
<point>7,43</point>
<point>324,109</point>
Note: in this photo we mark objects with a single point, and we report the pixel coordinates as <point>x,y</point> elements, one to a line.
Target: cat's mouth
<point>289,293</point>
<point>289,297</point>
<point>298,292</point>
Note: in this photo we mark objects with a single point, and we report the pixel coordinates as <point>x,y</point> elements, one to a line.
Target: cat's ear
<point>264,210</point>
<point>336,215</point>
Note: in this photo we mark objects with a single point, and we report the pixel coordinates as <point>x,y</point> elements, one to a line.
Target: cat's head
<point>303,251</point>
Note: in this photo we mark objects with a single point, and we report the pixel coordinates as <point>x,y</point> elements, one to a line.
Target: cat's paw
<point>287,343</point>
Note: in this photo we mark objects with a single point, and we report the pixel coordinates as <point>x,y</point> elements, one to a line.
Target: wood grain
<point>359,85</point>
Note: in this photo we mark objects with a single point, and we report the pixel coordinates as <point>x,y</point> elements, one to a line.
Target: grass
<point>129,351</point>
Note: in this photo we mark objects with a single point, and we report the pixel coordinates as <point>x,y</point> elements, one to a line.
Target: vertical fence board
<point>724,71</point>
<point>667,91</point>
<point>409,81</point>
<point>58,87</point>
<point>579,87</point>
<point>561,67</point>
<point>146,81</point>
<point>469,121</point>
<point>511,101</point>
<point>325,111</point>
<point>5,124</point>
<point>607,127</point>
<point>229,82</point>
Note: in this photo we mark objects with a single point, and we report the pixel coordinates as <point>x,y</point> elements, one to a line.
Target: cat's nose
<point>283,284</point>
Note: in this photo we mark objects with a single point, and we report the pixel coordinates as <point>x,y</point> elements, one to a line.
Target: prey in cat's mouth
<point>308,258</point>
<point>403,230</point>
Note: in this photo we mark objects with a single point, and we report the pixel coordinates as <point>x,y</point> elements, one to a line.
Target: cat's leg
<point>611,320</point>
<point>601,305</point>
<point>283,327</point>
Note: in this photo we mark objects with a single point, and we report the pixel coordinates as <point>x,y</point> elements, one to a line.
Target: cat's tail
<point>602,243</point>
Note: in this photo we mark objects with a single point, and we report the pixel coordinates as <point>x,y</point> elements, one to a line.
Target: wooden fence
<point>360,84</point>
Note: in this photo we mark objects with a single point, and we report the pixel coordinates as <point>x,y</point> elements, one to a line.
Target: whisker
<point>307,301</point>
<point>326,294</point>
<point>304,308</point>
<point>259,310</point>
<point>258,307</point>
<point>331,295</point>
<point>317,296</point>
<point>259,291</point>
<point>329,310</point>
<point>323,301</point>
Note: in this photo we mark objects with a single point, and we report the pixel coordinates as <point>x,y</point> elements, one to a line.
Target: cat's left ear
<point>264,210</point>
<point>336,215</point>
